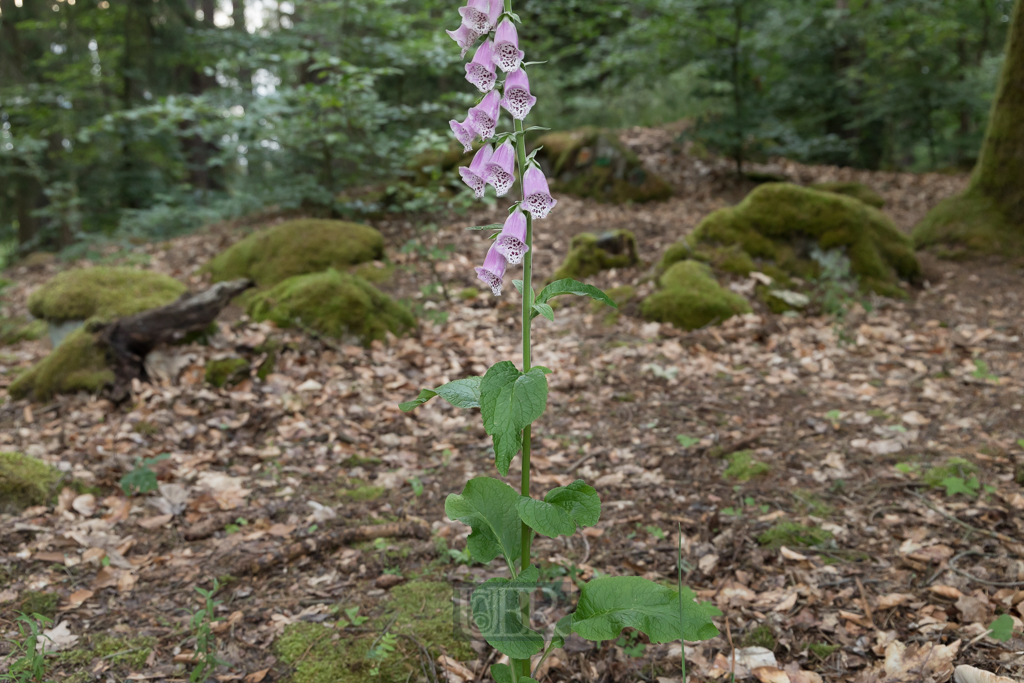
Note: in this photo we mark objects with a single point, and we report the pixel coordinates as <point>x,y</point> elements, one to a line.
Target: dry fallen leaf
<point>969,674</point>
<point>57,639</point>
<point>78,598</point>
<point>927,663</point>
<point>893,600</point>
<point>946,592</point>
<point>84,504</point>
<point>791,554</point>
<point>770,674</point>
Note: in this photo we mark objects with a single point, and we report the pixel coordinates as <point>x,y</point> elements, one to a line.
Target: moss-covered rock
<point>334,304</point>
<point>589,254</point>
<point>78,364</point>
<point>25,481</point>
<point>690,298</point>
<point>775,228</point>
<point>968,224</point>
<point>274,254</point>
<point>226,371</point>
<point>856,190</point>
<point>20,328</point>
<point>593,163</point>
<point>103,293</point>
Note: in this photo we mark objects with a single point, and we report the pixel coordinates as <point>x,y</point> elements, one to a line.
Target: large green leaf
<point>562,509</point>
<point>497,613</point>
<point>570,286</point>
<point>502,673</point>
<point>509,401</point>
<point>488,506</point>
<point>462,393</point>
<point>608,605</point>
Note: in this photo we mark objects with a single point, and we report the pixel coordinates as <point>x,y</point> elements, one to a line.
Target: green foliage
<point>570,286</point>
<point>272,255</point>
<point>103,293</point>
<point>25,481</point>
<point>20,328</point>
<point>686,440</point>
<point>822,650</point>
<point>334,304</point>
<point>943,475</point>
<point>511,400</point>
<point>590,254</point>
<point>743,467</point>
<point>982,371</point>
<point>462,393</point>
<point>955,485</point>
<point>226,371</point>
<point>631,644</point>
<point>691,298</point>
<point>142,479</point>
<point>39,602</point>
<point>1002,628</point>
<point>497,613</point>
<point>489,507</point>
<point>793,535</point>
<point>30,665</point>
<point>562,509</point>
<point>381,649</point>
<point>205,660</point>
<point>78,364</point>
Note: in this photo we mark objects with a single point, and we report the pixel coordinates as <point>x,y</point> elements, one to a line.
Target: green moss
<point>793,535</point>
<point>777,224</point>
<point>20,328</point>
<point>39,602</point>
<point>333,304</point>
<point>420,609</point>
<point>589,254</point>
<point>593,163</point>
<point>761,636</point>
<point>469,293</point>
<point>374,271</point>
<point>363,494</point>
<point>226,371</point>
<point>822,650</point>
<point>691,298</point>
<point>954,467</point>
<point>275,254</point>
<point>856,190</point>
<point>124,655</point>
<point>743,467</point>
<point>78,364</point>
<point>104,293</point>
<point>24,482</point>
<point>965,225</point>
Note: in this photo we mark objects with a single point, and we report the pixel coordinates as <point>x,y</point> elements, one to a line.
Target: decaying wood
<point>129,340</point>
<point>331,540</point>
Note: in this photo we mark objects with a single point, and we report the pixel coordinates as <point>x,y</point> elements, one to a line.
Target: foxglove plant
<point>510,399</point>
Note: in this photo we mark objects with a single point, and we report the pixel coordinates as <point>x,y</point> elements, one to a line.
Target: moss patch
<point>822,650</point>
<point>123,655</point>
<point>275,254</point>
<point>39,602</point>
<point>856,190</point>
<point>775,228</point>
<point>691,298</point>
<point>422,609</point>
<point>469,293</point>
<point>593,163</point>
<point>761,636</point>
<point>20,328</point>
<point>743,467</point>
<point>25,481</point>
<point>589,254</point>
<point>226,371</point>
<point>363,494</point>
<point>965,225</point>
<point>793,535</point>
<point>334,304</point>
<point>104,293</point>
<point>78,364</point>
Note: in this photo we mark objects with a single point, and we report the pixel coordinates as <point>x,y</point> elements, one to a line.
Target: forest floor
<point>848,536</point>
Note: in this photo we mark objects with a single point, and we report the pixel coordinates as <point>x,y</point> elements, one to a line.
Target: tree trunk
<point>989,216</point>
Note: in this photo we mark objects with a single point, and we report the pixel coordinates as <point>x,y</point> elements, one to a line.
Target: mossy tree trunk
<point>989,216</point>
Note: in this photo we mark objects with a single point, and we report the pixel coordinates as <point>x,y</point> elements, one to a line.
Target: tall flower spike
<point>464,36</point>
<point>484,116</point>
<point>480,71</point>
<point>507,55</point>
<point>538,200</point>
<point>480,15</point>
<point>475,174</point>
<point>493,270</point>
<point>511,243</point>
<point>464,132</point>
<point>500,168</point>
<point>518,101</point>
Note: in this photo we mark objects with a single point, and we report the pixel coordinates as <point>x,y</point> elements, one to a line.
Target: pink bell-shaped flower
<point>484,116</point>
<point>480,71</point>
<point>464,132</point>
<point>507,55</point>
<point>474,175</point>
<point>511,243</point>
<point>500,169</point>
<point>464,36</point>
<point>538,200</point>
<point>481,15</point>
<point>518,101</point>
<point>493,270</point>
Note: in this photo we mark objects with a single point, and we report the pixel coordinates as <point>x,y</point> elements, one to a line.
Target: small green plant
<point>685,440</point>
<point>631,644</point>
<point>30,650</point>
<point>822,650</point>
<point>982,372</point>
<point>956,476</point>
<point>836,285</point>
<point>1002,628</point>
<point>417,486</point>
<point>955,485</point>
<point>761,636</point>
<point>748,502</point>
<point>142,479</point>
<point>205,659</point>
<point>655,531</point>
<point>743,467</point>
<point>381,649</point>
<point>352,613</point>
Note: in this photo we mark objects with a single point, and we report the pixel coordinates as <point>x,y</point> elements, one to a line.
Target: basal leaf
<point>501,673</point>
<point>497,613</point>
<point>509,401</point>
<point>488,506</point>
<point>562,509</point>
<point>570,286</point>
<point>610,604</point>
<point>462,393</point>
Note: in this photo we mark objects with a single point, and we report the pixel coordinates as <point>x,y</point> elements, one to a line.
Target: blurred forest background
<point>142,119</point>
